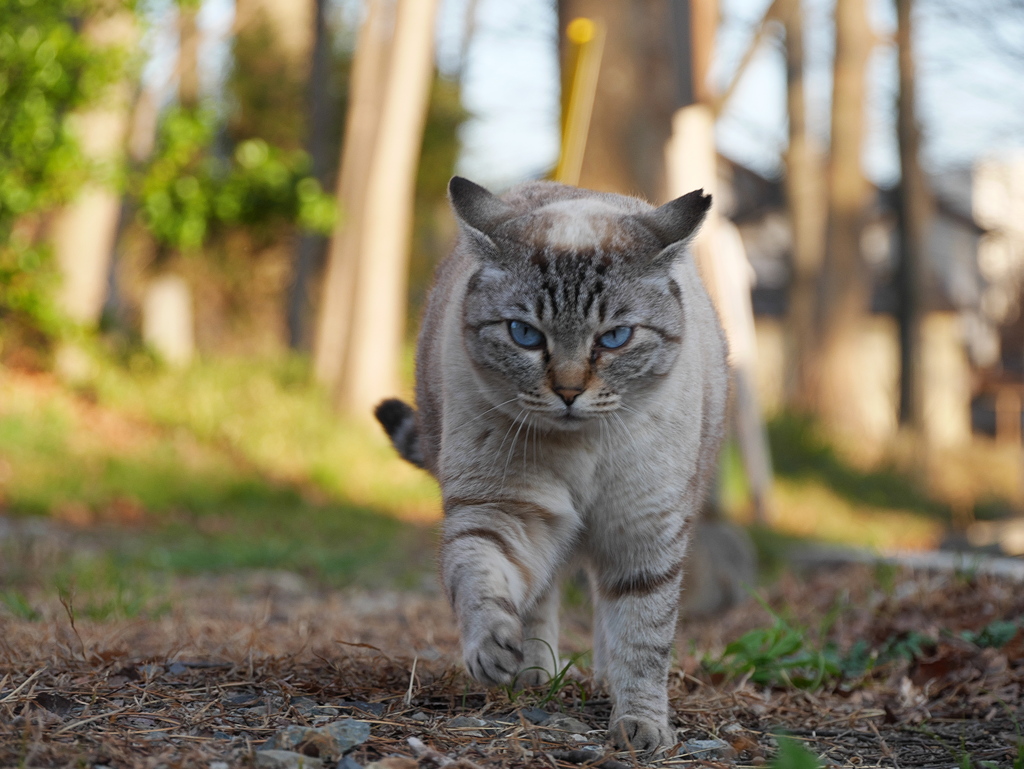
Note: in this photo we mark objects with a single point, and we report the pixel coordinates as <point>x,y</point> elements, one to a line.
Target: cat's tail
<point>398,419</point>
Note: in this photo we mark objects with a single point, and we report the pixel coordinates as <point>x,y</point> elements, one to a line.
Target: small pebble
<point>419,715</point>
<point>467,722</point>
<point>565,723</point>
<point>702,750</point>
<point>535,715</point>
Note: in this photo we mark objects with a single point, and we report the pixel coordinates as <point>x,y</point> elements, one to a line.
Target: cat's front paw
<point>641,735</point>
<point>495,655</point>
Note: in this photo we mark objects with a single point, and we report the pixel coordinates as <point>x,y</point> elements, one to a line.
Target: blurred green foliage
<point>47,71</point>
<point>793,755</point>
<point>187,192</point>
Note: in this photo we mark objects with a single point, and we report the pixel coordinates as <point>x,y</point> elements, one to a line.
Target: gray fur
<point>535,483</point>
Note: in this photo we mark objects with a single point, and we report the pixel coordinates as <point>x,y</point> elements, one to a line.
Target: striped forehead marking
<point>571,281</point>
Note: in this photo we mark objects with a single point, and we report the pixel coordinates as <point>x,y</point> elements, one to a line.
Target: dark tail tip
<point>391,414</point>
<point>399,421</point>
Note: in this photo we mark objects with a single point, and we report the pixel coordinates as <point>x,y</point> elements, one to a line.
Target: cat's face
<point>572,316</point>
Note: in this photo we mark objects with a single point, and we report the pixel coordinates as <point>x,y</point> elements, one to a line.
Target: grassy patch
<point>271,416</point>
<point>220,467</point>
<point>819,496</point>
<point>800,453</point>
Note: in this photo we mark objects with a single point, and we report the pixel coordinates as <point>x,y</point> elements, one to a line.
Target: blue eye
<point>525,335</point>
<point>616,337</point>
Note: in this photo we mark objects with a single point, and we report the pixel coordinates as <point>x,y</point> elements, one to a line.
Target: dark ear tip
<point>460,188</point>
<point>699,197</point>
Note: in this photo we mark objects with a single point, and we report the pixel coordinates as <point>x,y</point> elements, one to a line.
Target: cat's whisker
<point>493,408</point>
<point>620,420</point>
<point>631,410</point>
<point>526,441</point>
<point>512,448</point>
<point>535,436</point>
<point>501,446</point>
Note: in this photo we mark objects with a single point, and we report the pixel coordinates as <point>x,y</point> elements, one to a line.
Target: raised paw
<point>495,654</point>
<point>642,735</point>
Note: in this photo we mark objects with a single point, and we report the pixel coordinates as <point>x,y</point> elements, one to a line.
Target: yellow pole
<point>586,38</point>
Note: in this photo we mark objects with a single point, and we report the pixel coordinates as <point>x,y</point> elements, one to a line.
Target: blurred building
<point>972,331</point>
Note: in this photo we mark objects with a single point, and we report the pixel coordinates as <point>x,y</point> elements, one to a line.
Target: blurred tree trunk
<point>363,312</point>
<point>632,116</point>
<point>85,230</point>
<point>168,325</point>
<point>804,194</point>
<point>291,22</point>
<point>188,54</point>
<point>844,294</point>
<point>310,248</point>
<point>369,70</point>
<point>914,214</point>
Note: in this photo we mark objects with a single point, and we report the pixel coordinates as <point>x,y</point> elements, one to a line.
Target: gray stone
<point>346,733</point>
<point>285,759</point>
<point>325,710</point>
<point>375,708</point>
<point>419,715</point>
<point>304,705</point>
<point>703,750</point>
<point>333,739</point>
<point>469,722</point>
<point>564,723</point>
<point>535,715</point>
<point>347,762</point>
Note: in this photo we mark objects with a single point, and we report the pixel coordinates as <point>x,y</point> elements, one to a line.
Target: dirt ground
<point>233,662</point>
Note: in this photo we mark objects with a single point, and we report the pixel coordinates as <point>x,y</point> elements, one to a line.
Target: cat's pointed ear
<point>679,219</point>
<point>477,207</point>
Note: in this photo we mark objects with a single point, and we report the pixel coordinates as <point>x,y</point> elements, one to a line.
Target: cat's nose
<point>567,394</point>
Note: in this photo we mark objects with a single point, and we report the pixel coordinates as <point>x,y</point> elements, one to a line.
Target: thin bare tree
<point>844,288</point>
<point>311,246</point>
<point>913,223</point>
<point>804,199</point>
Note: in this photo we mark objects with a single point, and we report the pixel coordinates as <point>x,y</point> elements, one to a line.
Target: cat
<point>571,385</point>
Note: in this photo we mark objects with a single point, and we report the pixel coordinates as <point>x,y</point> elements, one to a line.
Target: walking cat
<point>570,391</point>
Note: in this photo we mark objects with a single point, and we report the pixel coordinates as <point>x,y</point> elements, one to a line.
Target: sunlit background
<point>218,221</point>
